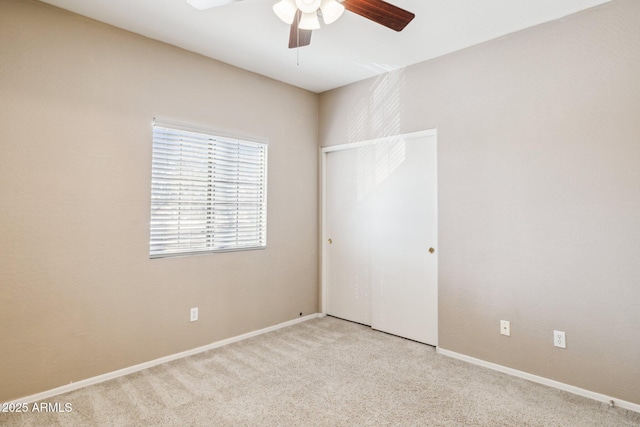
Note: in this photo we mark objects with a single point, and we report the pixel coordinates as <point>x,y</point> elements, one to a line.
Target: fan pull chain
<point>298,46</point>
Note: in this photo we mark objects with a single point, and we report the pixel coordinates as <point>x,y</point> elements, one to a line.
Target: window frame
<point>190,223</point>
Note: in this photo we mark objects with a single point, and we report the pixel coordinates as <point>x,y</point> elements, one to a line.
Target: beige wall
<point>539,191</point>
<point>79,296</point>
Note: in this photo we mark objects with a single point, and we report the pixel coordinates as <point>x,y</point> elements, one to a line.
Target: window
<point>208,192</point>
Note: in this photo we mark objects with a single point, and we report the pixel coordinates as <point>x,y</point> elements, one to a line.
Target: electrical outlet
<point>559,339</point>
<point>505,327</point>
<point>194,314</point>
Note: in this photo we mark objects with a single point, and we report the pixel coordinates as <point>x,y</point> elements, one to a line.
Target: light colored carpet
<point>324,372</point>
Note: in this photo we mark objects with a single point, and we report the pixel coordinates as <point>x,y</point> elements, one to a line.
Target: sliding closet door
<point>381,231</point>
<point>349,245</point>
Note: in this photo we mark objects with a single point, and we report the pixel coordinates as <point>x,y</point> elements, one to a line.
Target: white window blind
<point>208,193</point>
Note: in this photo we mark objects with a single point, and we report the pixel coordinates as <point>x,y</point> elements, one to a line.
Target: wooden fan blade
<point>380,12</point>
<point>298,37</point>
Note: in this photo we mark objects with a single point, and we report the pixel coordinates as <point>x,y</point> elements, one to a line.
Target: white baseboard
<point>542,380</point>
<point>146,365</point>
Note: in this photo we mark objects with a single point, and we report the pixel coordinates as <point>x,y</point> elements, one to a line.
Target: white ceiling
<point>247,33</point>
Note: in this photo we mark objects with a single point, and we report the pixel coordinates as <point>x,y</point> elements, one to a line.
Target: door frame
<point>323,215</point>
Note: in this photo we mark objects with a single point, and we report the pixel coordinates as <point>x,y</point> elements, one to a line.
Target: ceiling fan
<point>303,15</point>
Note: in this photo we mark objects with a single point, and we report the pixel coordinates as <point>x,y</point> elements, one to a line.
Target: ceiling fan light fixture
<point>308,6</point>
<point>285,10</point>
<point>309,21</point>
<point>331,11</point>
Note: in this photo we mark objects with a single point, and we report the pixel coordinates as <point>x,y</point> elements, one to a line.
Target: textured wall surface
<point>79,295</point>
<point>539,191</point>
